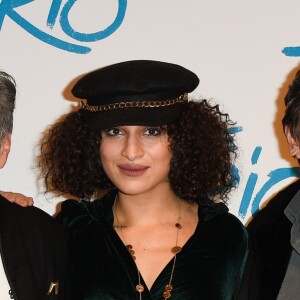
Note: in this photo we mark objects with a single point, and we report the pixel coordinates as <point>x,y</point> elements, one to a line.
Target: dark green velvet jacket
<point>209,266</point>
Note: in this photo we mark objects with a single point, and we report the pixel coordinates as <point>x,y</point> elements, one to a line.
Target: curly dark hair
<point>69,159</point>
<point>201,166</point>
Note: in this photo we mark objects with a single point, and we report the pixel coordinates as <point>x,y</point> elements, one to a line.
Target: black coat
<point>33,250</point>
<point>270,248</point>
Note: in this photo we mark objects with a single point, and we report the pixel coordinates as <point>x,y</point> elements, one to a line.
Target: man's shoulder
<point>283,198</point>
<point>272,215</point>
<point>13,215</point>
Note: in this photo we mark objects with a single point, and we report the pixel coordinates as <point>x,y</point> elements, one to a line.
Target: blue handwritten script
<point>275,176</point>
<point>291,51</point>
<point>7,8</point>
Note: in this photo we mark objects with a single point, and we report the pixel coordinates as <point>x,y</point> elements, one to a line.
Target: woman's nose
<point>133,148</point>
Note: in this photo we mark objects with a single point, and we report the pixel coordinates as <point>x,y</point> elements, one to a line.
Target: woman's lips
<point>133,170</point>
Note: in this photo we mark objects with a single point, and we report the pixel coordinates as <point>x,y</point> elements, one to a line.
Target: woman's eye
<point>153,131</point>
<point>113,131</point>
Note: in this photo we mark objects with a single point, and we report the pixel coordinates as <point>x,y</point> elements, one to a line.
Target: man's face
<point>293,143</point>
<point>4,150</point>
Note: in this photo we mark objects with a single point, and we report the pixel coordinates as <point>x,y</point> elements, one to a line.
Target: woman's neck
<point>147,208</point>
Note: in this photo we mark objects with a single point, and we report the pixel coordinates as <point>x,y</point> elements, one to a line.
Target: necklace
<point>176,249</point>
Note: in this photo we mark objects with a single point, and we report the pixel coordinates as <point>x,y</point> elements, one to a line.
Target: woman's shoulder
<point>219,221</point>
<point>74,212</point>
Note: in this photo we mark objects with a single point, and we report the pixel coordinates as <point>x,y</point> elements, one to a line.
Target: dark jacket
<point>33,250</point>
<point>270,248</point>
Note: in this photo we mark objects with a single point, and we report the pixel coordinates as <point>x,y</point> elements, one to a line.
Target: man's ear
<point>293,144</point>
<point>4,149</point>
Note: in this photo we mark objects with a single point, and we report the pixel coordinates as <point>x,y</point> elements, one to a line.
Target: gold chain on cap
<point>132,104</point>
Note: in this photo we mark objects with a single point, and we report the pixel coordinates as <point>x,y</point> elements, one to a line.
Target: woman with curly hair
<point>152,171</point>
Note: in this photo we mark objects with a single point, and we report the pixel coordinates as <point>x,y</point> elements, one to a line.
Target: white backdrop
<point>245,53</point>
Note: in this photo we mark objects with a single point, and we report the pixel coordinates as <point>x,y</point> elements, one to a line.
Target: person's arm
<point>17,198</point>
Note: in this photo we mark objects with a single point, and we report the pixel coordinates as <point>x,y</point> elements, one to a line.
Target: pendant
<point>178,225</point>
<point>176,249</point>
<point>139,288</point>
<point>167,293</point>
<point>131,251</point>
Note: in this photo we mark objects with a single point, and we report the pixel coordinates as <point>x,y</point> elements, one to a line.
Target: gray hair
<point>7,103</point>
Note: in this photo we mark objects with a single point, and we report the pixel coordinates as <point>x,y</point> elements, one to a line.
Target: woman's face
<point>136,158</point>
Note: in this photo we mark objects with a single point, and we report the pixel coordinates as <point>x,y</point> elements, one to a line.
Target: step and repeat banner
<point>245,53</point>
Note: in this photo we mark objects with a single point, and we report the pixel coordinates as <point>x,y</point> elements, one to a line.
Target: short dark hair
<point>7,103</point>
<point>292,111</point>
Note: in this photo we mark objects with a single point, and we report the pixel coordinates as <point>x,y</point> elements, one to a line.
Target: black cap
<point>139,92</point>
